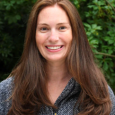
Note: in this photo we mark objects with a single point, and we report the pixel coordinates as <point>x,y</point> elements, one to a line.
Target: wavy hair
<point>30,90</point>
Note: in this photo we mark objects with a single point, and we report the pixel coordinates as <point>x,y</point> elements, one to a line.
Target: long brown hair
<point>30,92</point>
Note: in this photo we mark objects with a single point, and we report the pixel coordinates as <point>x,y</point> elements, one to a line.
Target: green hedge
<point>98,18</point>
<point>99,22</point>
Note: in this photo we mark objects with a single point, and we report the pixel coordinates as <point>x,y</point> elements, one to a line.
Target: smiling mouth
<point>54,47</point>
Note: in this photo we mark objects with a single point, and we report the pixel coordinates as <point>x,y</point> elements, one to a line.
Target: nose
<point>53,37</point>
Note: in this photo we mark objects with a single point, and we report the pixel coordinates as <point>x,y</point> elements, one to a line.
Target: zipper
<point>55,111</point>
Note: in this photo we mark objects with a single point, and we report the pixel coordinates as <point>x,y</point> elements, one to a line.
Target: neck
<point>58,77</point>
<point>57,72</point>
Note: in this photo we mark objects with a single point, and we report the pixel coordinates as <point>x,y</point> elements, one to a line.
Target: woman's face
<point>53,33</point>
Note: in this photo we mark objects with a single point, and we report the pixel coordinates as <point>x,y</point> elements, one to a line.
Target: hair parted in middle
<point>28,97</point>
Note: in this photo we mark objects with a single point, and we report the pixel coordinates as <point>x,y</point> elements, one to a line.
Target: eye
<point>62,28</point>
<point>43,29</point>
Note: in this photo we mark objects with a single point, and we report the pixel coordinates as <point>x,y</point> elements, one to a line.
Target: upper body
<point>57,67</point>
<point>65,102</point>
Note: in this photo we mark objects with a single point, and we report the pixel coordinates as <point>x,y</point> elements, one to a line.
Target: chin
<point>55,60</point>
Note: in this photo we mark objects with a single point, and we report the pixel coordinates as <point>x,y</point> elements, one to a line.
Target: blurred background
<point>98,18</point>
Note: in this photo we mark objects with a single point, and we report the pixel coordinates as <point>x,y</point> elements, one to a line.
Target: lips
<point>54,47</point>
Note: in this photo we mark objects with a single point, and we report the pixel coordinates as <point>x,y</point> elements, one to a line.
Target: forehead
<point>53,13</point>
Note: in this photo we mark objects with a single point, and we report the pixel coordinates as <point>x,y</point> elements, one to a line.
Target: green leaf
<point>105,66</point>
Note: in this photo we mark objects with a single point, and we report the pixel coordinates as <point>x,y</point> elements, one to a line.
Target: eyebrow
<point>42,24</point>
<point>57,24</point>
<point>63,23</point>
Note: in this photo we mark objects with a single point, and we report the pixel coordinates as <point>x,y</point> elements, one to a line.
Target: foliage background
<point>98,18</point>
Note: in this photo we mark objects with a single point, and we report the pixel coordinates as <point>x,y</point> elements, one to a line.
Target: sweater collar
<point>71,89</point>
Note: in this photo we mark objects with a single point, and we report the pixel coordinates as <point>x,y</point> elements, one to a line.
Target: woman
<point>56,73</point>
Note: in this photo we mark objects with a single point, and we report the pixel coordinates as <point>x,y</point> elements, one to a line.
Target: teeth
<point>54,48</point>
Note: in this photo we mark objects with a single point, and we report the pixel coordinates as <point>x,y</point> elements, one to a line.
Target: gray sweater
<point>65,101</point>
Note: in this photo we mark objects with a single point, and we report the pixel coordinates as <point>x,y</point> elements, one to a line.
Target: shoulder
<point>6,88</point>
<point>112,97</point>
<point>6,85</point>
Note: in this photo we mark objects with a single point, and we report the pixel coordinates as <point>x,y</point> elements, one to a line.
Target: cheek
<point>39,44</point>
<point>39,40</point>
<point>68,38</point>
